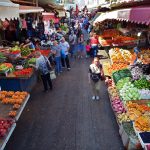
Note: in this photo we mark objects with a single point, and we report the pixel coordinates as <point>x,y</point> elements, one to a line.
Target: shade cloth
<point>29,9</point>
<point>8,10</point>
<point>136,14</point>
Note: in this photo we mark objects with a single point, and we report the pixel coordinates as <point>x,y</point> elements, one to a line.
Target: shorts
<point>81,47</point>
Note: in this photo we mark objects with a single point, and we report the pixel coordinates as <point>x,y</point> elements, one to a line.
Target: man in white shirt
<point>64,53</point>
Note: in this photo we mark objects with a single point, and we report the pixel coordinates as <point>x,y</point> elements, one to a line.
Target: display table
<point>6,108</point>
<point>22,108</point>
<point>18,83</point>
<point>4,141</point>
<point>4,111</point>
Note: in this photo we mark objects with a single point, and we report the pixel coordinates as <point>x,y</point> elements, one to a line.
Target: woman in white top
<point>95,76</point>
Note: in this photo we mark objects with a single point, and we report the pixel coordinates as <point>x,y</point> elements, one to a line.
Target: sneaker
<point>97,97</point>
<point>93,97</point>
<point>68,69</point>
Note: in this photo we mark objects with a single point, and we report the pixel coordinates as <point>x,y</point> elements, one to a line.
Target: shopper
<point>56,50</point>
<point>81,47</point>
<point>64,53</point>
<point>95,75</point>
<point>73,42</point>
<point>88,49</point>
<point>43,65</point>
<point>94,44</point>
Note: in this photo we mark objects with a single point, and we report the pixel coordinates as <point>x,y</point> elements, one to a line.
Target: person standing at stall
<point>95,75</point>
<point>64,53</point>
<point>43,65</point>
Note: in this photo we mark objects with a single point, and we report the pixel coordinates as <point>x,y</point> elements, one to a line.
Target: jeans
<point>58,64</point>
<point>94,50</point>
<point>65,61</point>
<point>46,79</point>
<point>72,50</point>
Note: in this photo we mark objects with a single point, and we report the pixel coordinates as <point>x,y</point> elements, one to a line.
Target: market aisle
<point>67,118</point>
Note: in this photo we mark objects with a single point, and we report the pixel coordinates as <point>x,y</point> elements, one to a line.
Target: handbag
<point>52,75</point>
<point>94,77</point>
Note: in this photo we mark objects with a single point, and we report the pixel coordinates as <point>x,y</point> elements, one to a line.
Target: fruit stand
<point>11,107</point>
<point>129,92</point>
<point>15,71</point>
<point>4,141</point>
<point>113,38</point>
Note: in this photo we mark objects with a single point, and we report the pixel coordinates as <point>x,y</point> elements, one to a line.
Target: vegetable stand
<point>129,93</point>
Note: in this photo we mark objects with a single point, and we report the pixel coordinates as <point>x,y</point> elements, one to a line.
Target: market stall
<point>15,71</point>
<point>113,38</point>
<point>129,92</point>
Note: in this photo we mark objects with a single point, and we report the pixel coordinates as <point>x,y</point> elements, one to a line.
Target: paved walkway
<point>66,118</point>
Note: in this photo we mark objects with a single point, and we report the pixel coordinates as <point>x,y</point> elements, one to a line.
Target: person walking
<point>81,47</point>
<point>94,44</point>
<point>64,53</point>
<point>43,65</point>
<point>56,50</point>
<point>73,42</point>
<point>95,75</point>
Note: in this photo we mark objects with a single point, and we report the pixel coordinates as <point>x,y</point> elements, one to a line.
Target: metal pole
<point>37,4</point>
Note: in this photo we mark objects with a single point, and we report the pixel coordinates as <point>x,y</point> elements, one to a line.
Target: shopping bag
<point>52,75</point>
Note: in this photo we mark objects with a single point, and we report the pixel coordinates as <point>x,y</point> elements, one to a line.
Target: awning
<point>8,10</point>
<point>61,13</point>
<point>29,9</point>
<point>136,15</point>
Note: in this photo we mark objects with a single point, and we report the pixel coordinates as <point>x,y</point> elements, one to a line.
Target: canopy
<point>8,10</point>
<point>136,14</point>
<point>29,9</point>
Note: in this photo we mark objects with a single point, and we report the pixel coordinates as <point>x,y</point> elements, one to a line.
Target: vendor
<point>135,55</point>
<point>28,43</point>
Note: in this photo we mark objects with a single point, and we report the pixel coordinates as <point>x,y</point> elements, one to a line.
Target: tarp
<point>8,9</point>
<point>136,14</point>
<point>29,9</point>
